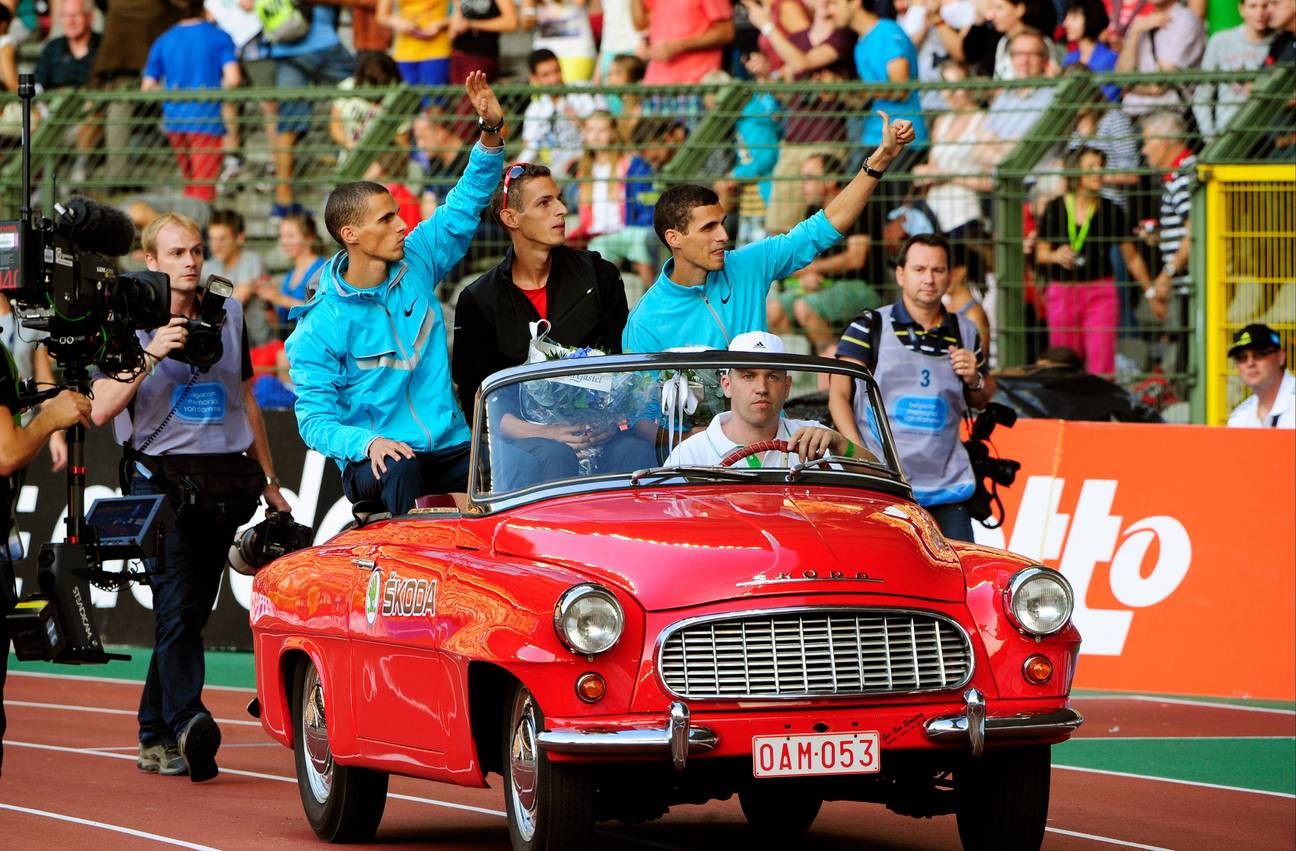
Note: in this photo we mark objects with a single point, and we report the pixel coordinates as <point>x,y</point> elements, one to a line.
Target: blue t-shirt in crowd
<point>191,56</point>
<point>641,196</point>
<point>885,42</point>
<point>1102,59</point>
<point>321,36</point>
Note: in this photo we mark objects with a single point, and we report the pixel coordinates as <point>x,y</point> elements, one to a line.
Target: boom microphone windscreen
<point>96,227</point>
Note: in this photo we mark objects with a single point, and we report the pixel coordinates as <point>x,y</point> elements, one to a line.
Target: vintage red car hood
<point>681,547</point>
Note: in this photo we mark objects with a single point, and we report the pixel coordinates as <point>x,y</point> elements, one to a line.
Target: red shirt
<point>539,299</point>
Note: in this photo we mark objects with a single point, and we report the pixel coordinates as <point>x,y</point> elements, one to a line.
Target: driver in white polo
<point>756,401</point>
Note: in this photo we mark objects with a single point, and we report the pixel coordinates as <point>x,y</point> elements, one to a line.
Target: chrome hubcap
<point>523,766</point>
<point>318,757</point>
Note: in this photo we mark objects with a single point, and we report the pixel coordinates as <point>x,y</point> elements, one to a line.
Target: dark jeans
<point>953,519</point>
<point>406,479</point>
<point>517,464</point>
<point>184,592</point>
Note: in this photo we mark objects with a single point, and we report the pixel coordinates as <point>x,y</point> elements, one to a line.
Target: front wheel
<point>778,814</point>
<point>550,805</point>
<point>342,803</point>
<point>1002,799</point>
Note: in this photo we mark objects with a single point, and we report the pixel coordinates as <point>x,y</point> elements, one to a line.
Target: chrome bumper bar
<point>974,727</point>
<point>677,738</point>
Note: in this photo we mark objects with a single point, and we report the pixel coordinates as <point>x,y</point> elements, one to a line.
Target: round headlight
<point>588,619</point>
<point>1038,600</point>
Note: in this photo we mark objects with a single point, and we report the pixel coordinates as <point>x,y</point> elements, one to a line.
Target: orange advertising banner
<point>1180,542</point>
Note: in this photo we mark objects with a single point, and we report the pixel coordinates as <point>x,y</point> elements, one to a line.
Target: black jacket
<point>586,307</point>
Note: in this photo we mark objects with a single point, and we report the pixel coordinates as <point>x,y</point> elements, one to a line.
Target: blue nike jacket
<point>370,363</point>
<point>731,301</point>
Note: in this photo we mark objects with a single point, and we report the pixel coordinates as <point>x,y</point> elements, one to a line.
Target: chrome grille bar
<point>814,652</point>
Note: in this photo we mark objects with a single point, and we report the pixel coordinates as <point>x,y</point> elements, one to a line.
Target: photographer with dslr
<point>929,379</point>
<point>192,430</point>
<point>18,446</point>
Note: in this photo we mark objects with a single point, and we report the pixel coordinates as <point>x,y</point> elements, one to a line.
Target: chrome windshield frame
<point>890,480</point>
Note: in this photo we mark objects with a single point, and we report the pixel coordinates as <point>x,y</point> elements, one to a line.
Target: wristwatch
<point>871,171</point>
<point>486,128</point>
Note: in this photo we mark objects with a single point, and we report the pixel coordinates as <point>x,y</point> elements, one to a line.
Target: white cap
<point>758,341</point>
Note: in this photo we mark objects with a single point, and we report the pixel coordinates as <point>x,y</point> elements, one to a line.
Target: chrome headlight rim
<point>575,594</point>
<point>1014,589</point>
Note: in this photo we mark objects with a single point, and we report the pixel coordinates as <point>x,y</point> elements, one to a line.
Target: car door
<point>404,686</point>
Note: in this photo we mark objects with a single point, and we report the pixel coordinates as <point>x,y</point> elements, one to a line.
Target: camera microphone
<point>96,227</point>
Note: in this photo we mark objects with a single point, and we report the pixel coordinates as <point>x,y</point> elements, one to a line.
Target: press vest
<point>924,403</point>
<point>209,417</point>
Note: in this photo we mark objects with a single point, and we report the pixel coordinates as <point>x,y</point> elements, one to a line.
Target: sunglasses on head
<point>515,171</point>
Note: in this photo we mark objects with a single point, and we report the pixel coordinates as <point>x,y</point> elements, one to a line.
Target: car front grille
<point>815,652</point>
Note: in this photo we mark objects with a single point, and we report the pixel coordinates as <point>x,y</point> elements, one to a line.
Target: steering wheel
<point>759,448</point>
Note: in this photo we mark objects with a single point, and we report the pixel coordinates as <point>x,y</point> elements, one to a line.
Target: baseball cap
<point>758,341</point>
<point>1257,336</point>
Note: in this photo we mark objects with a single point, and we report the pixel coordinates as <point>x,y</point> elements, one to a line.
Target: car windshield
<point>635,420</point>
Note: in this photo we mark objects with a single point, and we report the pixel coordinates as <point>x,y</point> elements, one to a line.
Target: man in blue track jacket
<point>368,356</point>
<point>706,295</point>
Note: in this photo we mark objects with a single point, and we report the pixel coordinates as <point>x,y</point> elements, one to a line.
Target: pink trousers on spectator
<point>1084,317</point>
<point>199,158</point>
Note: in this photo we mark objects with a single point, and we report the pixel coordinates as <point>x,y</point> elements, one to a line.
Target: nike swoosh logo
<point>409,310</point>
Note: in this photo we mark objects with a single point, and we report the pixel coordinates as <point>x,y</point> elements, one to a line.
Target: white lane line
<point>1175,781</point>
<point>88,679</point>
<point>103,710</point>
<point>166,840</point>
<point>1107,840</point>
<point>1182,701</point>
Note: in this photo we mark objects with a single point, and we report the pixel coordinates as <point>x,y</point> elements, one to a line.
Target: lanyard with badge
<point>1077,236</point>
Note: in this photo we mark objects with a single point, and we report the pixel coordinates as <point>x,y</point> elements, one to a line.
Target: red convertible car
<point>626,592</point>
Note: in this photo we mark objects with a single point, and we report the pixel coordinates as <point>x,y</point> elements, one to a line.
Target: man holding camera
<point>18,446</point>
<point>196,435</point>
<point>928,376</point>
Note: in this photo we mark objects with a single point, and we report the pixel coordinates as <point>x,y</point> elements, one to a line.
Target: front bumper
<point>974,727</point>
<point>678,738</point>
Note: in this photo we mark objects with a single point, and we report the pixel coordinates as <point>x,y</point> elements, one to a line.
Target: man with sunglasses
<point>1261,363</point>
<point>368,356</point>
<point>581,297</point>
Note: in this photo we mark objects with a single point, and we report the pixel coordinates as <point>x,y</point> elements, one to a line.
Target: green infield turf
<point>1249,763</point>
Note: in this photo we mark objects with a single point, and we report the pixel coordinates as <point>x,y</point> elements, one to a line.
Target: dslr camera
<point>277,535</point>
<point>1000,471</point>
<point>203,347</point>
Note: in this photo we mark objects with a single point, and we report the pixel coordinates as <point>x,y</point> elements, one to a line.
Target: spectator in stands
<point>801,43</point>
<point>1242,48</point>
<point>884,54</point>
<point>1280,15</point>
<point>1014,112</point>
<point>563,27</point>
<point>834,286</point>
<point>65,63</point>
<point>962,299</point>
<point>551,132</point>
<point>954,174</point>
<point>195,54</point>
<point>919,21</point>
<point>1085,23</point>
<point>1168,39</point>
<point>130,29</point>
<point>602,193</point>
<point>8,53</point>
<point>1075,237</point>
<point>437,159</point>
<point>620,38</point>
<point>351,116</point>
<point>1165,148</point>
<point>757,130</point>
<point>628,108</point>
<point>1109,130</point>
<point>984,46</point>
<point>299,243</point>
<point>1262,365</point>
<point>475,27</point>
<point>245,269</point>
<point>317,59</point>
<point>686,38</point>
<point>422,38</point>
<point>706,295</point>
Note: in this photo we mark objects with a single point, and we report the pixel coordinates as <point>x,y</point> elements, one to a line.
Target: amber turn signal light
<point>591,688</point>
<point>1037,669</point>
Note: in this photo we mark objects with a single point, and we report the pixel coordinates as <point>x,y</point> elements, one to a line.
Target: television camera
<point>999,471</point>
<point>61,277</point>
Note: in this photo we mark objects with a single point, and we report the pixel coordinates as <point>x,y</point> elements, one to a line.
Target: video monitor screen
<point>123,520</point>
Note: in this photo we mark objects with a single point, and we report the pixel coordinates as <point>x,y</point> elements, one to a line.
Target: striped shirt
<point>856,343</point>
<point>1176,203</point>
<point>1116,137</point>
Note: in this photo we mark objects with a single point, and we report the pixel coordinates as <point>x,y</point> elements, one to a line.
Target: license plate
<point>827,753</point>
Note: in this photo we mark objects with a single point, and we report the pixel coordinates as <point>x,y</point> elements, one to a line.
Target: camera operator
<point>198,437</point>
<point>928,378</point>
<point>18,446</point>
